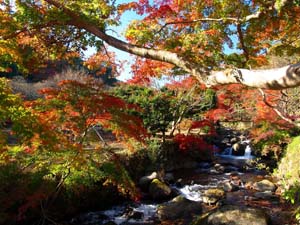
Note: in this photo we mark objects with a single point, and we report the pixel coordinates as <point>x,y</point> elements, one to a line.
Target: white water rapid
<point>228,152</point>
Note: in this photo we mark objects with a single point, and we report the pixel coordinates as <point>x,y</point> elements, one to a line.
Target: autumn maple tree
<point>192,36</point>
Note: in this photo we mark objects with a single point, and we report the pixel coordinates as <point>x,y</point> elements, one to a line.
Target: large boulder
<point>213,195</point>
<point>179,208</point>
<point>264,185</point>
<point>158,190</point>
<point>145,181</point>
<point>227,186</point>
<point>238,149</point>
<point>235,215</point>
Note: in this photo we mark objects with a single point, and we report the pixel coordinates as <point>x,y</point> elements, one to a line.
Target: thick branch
<point>241,38</point>
<point>160,55</point>
<point>280,78</point>
<point>276,79</point>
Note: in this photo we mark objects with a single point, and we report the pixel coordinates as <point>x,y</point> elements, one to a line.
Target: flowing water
<point>146,212</point>
<point>194,182</point>
<point>228,152</point>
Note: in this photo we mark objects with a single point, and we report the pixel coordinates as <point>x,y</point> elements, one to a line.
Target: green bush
<point>289,174</point>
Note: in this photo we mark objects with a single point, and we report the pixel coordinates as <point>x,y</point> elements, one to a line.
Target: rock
<point>249,185</point>
<point>169,178</point>
<point>238,149</point>
<point>109,223</point>
<point>264,185</point>
<point>204,165</point>
<point>136,215</point>
<point>145,181</point>
<point>213,195</point>
<point>234,140</point>
<point>227,186</point>
<point>179,208</point>
<point>235,179</point>
<point>179,183</point>
<point>214,171</point>
<point>219,168</point>
<point>92,218</point>
<point>266,195</point>
<point>250,198</point>
<point>235,215</point>
<point>229,169</point>
<point>159,190</point>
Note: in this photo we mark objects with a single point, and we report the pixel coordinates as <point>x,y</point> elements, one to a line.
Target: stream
<point>192,184</point>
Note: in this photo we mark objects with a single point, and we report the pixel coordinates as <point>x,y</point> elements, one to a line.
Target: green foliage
<point>49,163</point>
<point>13,110</point>
<point>156,106</point>
<point>289,174</point>
<point>270,140</point>
<point>153,150</point>
<point>161,108</point>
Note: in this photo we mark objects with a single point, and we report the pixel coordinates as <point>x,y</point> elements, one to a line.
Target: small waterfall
<point>248,151</point>
<point>228,152</point>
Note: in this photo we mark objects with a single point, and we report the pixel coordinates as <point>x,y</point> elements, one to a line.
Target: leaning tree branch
<point>277,79</point>
<point>241,39</point>
<point>155,54</point>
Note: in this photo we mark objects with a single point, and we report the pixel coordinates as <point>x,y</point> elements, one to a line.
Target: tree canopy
<point>208,39</point>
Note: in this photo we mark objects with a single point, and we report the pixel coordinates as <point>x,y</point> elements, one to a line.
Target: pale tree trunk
<point>275,79</point>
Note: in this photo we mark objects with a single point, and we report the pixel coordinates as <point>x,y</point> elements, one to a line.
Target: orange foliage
<point>101,61</point>
<point>190,142</point>
<point>184,84</point>
<point>69,111</point>
<point>145,69</point>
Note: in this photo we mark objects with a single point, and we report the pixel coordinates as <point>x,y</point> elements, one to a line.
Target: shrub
<point>289,174</point>
<point>191,143</point>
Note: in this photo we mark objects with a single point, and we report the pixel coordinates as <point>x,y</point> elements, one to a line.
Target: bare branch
<point>280,114</point>
<point>232,19</point>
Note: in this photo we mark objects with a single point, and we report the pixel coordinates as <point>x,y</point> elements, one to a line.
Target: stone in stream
<point>227,186</point>
<point>235,215</point>
<point>169,178</point>
<point>213,195</point>
<point>264,185</point>
<point>91,218</point>
<point>219,168</point>
<point>145,181</point>
<point>159,190</point>
<point>110,223</point>
<point>266,195</point>
<point>179,208</point>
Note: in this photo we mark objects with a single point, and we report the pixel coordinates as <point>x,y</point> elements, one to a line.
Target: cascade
<point>227,153</point>
<point>248,151</point>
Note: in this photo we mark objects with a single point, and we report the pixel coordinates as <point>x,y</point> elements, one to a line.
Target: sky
<point>119,31</point>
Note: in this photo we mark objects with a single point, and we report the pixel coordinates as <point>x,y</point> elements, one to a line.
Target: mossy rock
<point>213,195</point>
<point>179,208</point>
<point>158,190</point>
<point>235,215</point>
<point>289,168</point>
